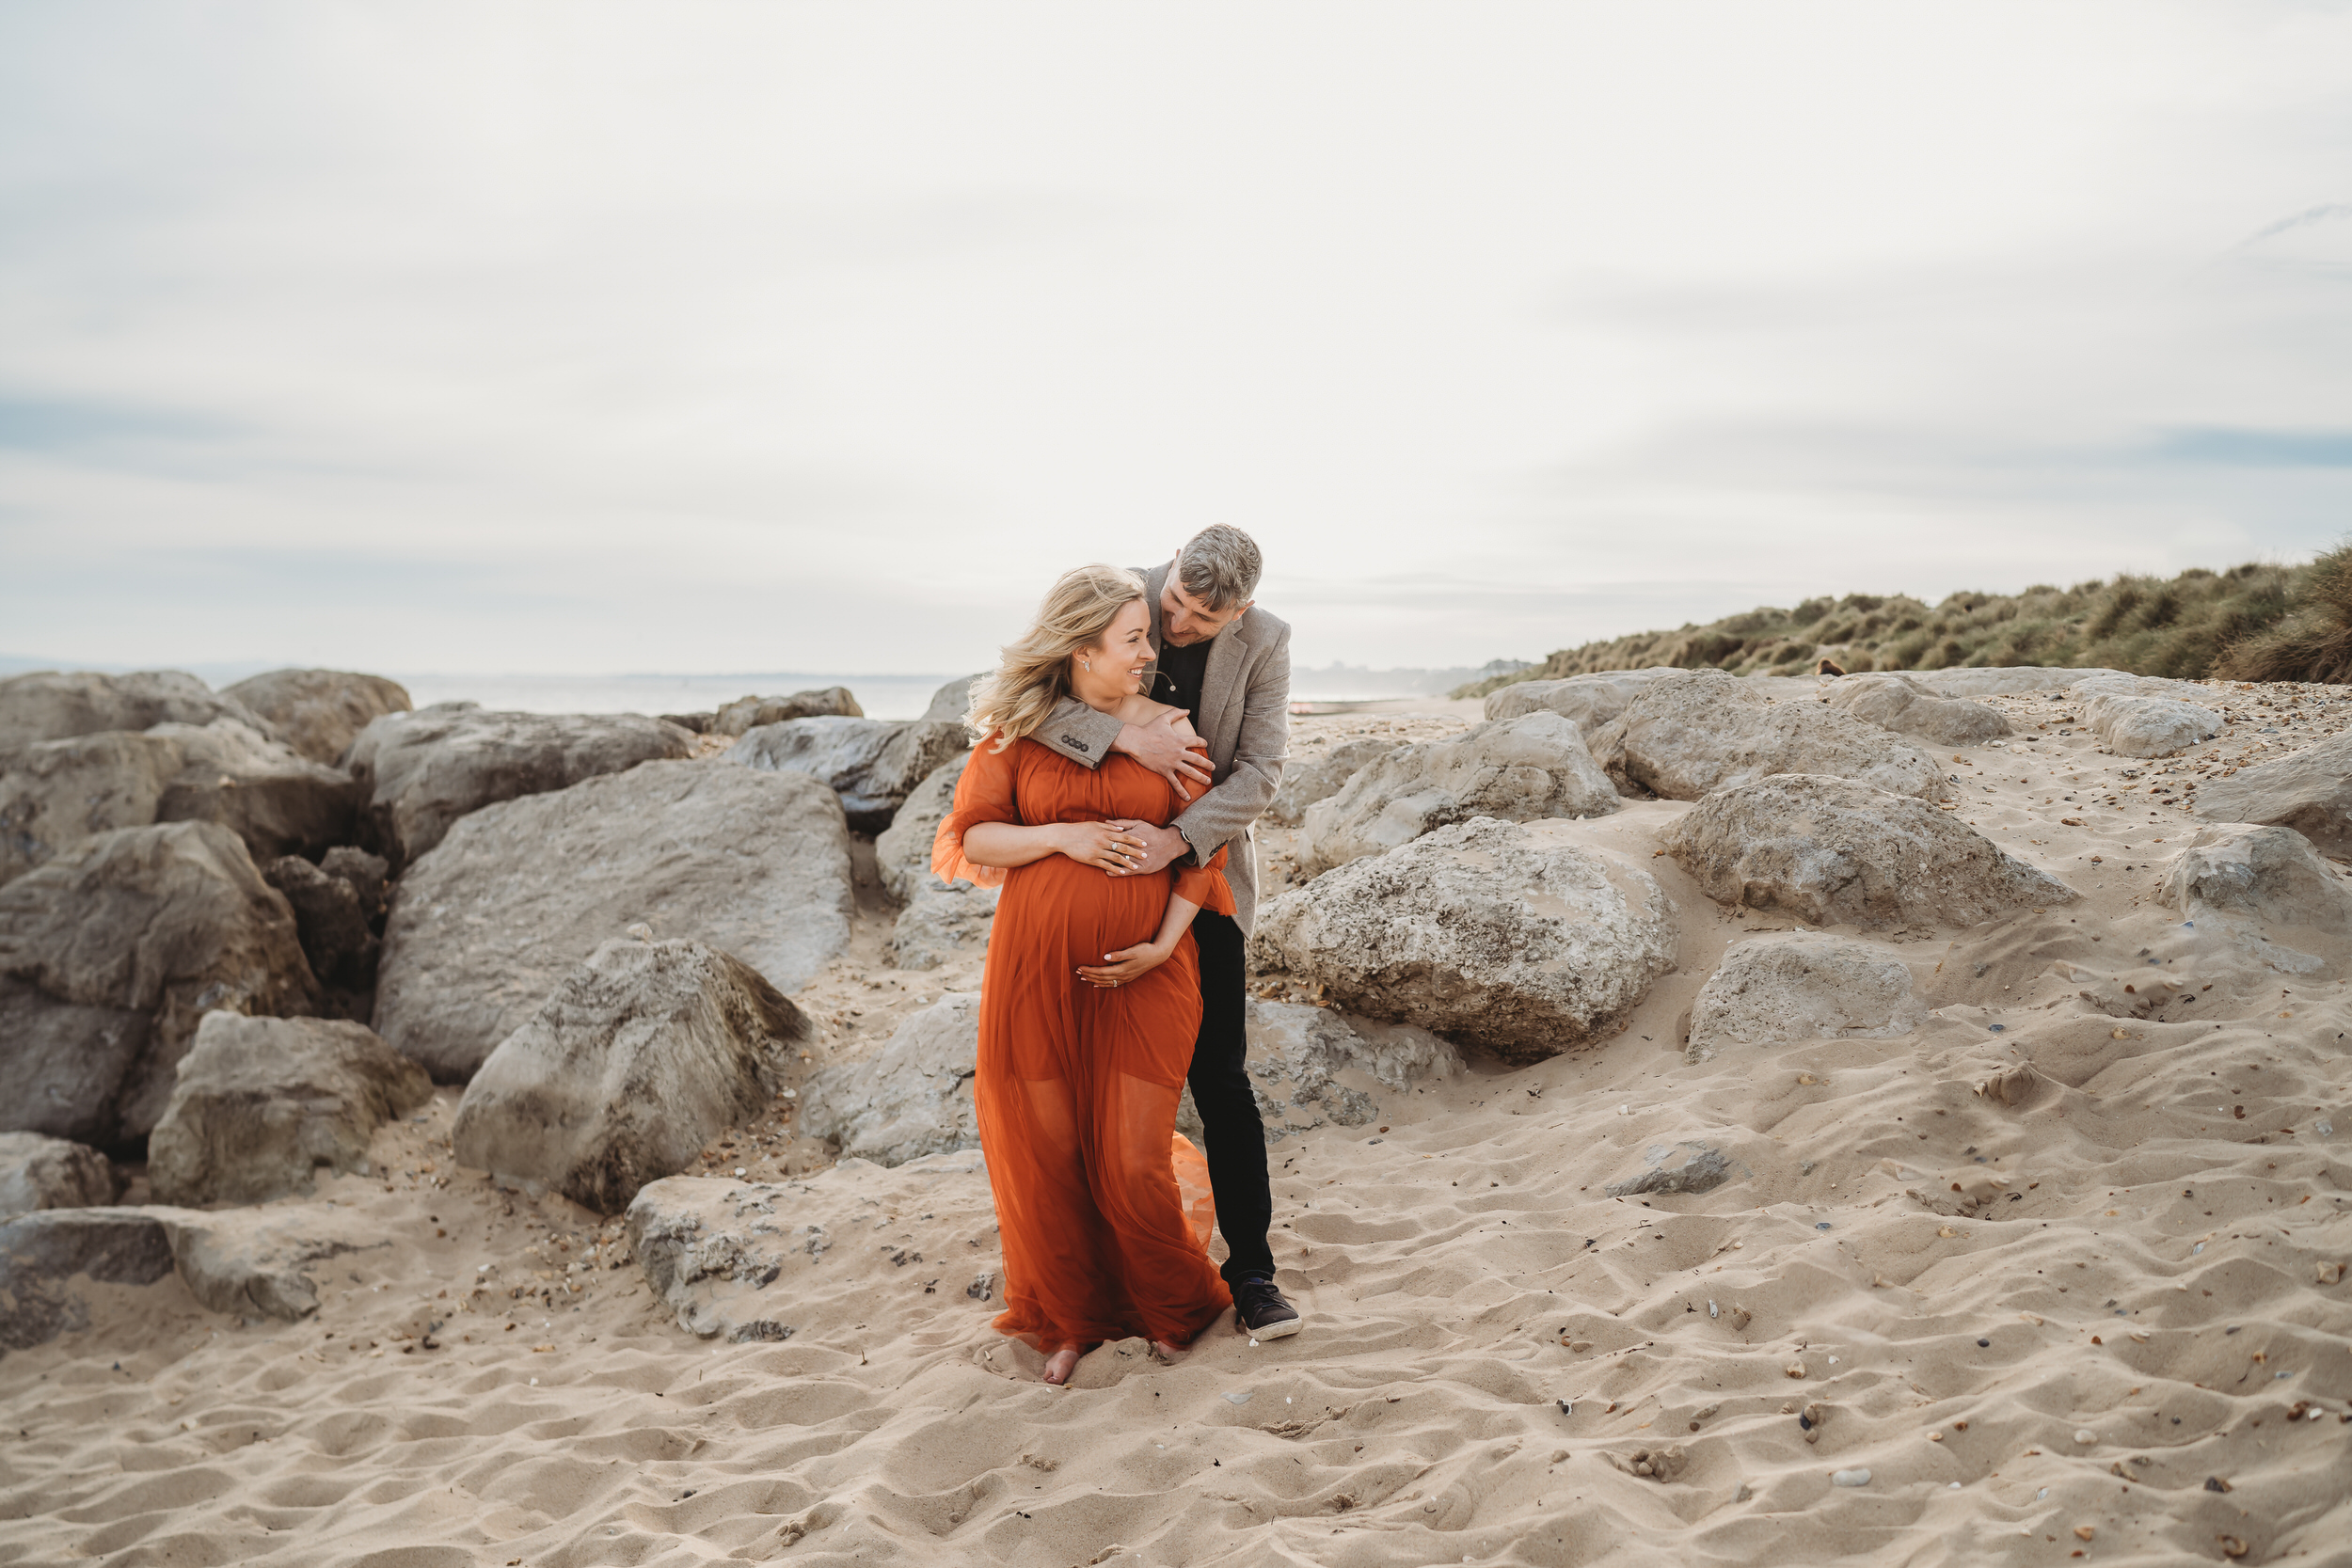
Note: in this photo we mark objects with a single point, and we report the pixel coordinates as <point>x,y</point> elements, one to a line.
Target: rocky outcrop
<point>41,1254</point>
<point>111,953</point>
<point>1307,779</point>
<point>1689,734</point>
<point>1310,1066</point>
<point>2310,790</point>
<point>2002,680</point>
<point>320,712</point>
<point>642,1055</point>
<point>749,713</point>
<point>1670,1169</point>
<point>1902,704</point>
<point>54,793</point>
<point>1516,938</point>
<point>262,1103</point>
<point>2150,726</point>
<point>37,1172</point>
<point>1836,851</point>
<point>50,705</point>
<point>872,765</point>
<point>420,772</point>
<point>483,928</point>
<point>1516,770</point>
<point>1587,700</point>
<point>910,1099</point>
<point>2265,874</point>
<point>1803,986</point>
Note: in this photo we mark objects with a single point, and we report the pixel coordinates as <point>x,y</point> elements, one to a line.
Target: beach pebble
<point>1239,1395</point>
<point>1851,1477</point>
<point>2086,1436</point>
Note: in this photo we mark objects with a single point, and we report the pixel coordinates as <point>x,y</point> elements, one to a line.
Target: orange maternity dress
<point>1103,1208</point>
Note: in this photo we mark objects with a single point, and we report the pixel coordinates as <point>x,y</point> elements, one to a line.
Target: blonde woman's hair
<point>1033,673</point>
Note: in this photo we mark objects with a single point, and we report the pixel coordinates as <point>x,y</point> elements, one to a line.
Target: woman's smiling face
<point>1120,660</point>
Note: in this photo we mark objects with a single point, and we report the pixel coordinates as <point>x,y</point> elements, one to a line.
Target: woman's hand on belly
<point>1108,845</point>
<point>1129,963</point>
<point>1160,847</point>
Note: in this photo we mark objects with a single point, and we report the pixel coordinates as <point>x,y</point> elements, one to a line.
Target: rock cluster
<point>1587,700</point>
<point>642,1055</point>
<point>1305,781</point>
<point>1490,933</point>
<point>749,713</point>
<point>320,712</point>
<point>1836,851</point>
<point>50,705</point>
<point>485,927</point>
<point>1512,770</point>
<point>1689,734</point>
<point>110,953</point>
<point>37,1172</point>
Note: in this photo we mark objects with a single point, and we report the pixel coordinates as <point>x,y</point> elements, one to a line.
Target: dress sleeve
<point>984,794</point>
<point>1205,885</point>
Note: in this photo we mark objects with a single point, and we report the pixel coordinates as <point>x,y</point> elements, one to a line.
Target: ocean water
<point>881,696</point>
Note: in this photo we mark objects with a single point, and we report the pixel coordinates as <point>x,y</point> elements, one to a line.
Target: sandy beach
<point>2096,1317</point>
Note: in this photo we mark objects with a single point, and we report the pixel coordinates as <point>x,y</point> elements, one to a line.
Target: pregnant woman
<point>1091,998</point>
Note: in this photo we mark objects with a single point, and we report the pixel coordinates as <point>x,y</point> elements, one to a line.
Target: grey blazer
<point>1246,720</point>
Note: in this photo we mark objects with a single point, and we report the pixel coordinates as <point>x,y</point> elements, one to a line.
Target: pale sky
<point>774,335</point>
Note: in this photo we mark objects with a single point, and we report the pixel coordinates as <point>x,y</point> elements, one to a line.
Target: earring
<point>1088,662</point>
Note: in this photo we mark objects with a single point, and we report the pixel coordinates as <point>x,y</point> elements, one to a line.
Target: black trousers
<point>1229,1112</point>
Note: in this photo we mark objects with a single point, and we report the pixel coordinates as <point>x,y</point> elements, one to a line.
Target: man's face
<point>1185,620</point>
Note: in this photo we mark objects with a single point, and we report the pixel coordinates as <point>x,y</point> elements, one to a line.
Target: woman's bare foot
<point>1167,1352</point>
<point>1060,1365</point>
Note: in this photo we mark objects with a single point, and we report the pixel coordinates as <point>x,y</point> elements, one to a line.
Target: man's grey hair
<point>1219,566</point>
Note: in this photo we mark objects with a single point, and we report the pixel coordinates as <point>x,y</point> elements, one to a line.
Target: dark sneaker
<point>1259,1311</point>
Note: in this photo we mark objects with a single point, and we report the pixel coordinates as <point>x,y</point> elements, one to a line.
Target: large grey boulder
<point>42,1254</point>
<point>644,1054</point>
<point>256,1263</point>
<point>1312,778</point>
<point>259,1103</point>
<point>902,851</point>
<point>1781,988</point>
<point>53,793</point>
<point>2266,874</point>
<point>1514,939</point>
<point>1836,851</point>
<point>1691,734</point>
<point>37,1172</point>
<point>320,712</point>
<point>952,702</point>
<point>749,713</point>
<point>910,1099</point>
<point>872,763</point>
<point>1589,701</point>
<point>484,927</point>
<point>941,919</point>
<point>1310,1066</point>
<point>1514,771</point>
<point>52,705</point>
<point>109,956</point>
<point>420,772</point>
<point>2310,790</point>
<point>2136,716</point>
<point>1902,704</point>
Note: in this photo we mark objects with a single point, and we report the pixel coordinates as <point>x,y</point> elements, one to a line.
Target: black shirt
<point>1178,682</point>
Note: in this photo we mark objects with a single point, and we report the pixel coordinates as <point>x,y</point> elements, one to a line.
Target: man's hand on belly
<point>1162,847</point>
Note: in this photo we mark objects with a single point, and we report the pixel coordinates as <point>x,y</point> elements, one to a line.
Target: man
<point>1227,663</point>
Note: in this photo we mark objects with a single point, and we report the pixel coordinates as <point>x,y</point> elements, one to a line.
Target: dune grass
<point>2255,622</point>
